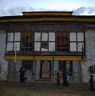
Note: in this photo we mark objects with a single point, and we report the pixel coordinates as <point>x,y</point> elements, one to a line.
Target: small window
<point>17,46</point>
<point>72,46</point>
<point>10,36</point>
<point>9,46</point>
<point>52,36</point>
<point>37,46</point>
<point>17,37</point>
<point>37,36</point>
<point>44,36</point>
<point>80,47</point>
<point>72,36</point>
<point>80,37</point>
<point>51,46</point>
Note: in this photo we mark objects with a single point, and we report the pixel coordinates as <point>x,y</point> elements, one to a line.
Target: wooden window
<point>62,41</point>
<point>76,41</point>
<point>44,41</point>
<point>27,42</point>
<point>13,41</point>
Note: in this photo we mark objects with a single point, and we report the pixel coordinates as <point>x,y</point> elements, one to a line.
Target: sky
<point>16,7</point>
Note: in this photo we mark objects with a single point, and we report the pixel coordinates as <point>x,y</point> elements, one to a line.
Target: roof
<point>48,16</point>
<point>48,13</point>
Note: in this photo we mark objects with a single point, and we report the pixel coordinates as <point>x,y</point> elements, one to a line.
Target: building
<point>47,42</point>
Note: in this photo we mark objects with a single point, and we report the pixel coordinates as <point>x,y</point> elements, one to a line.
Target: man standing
<point>64,77</point>
<point>91,83</point>
<point>22,75</point>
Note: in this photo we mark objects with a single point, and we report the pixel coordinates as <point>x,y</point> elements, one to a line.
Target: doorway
<point>68,66</point>
<point>45,69</point>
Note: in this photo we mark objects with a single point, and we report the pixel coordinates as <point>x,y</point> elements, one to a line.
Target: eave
<point>89,19</point>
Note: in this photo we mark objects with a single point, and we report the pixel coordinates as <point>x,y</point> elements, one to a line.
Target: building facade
<point>45,43</point>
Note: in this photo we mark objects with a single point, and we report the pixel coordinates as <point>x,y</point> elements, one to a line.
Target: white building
<point>47,42</point>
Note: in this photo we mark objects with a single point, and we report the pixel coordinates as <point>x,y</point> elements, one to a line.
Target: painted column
<point>37,71</point>
<point>17,66</point>
<point>13,70</point>
<point>34,70</point>
<point>76,71</point>
<point>55,69</point>
<point>52,68</point>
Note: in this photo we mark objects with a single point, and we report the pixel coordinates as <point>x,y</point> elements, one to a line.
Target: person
<point>91,83</point>
<point>64,77</point>
<point>58,79</point>
<point>22,74</point>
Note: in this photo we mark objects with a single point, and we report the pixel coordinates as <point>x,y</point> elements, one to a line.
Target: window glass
<point>72,36</point>
<point>44,46</point>
<point>37,46</point>
<point>10,36</point>
<point>17,37</point>
<point>44,36</point>
<point>80,47</point>
<point>52,36</point>
<point>72,46</point>
<point>80,36</point>
<point>17,46</point>
<point>51,46</point>
<point>9,46</point>
<point>37,36</point>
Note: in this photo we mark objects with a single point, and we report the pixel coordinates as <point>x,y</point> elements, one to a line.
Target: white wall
<point>3,63</point>
<point>90,53</point>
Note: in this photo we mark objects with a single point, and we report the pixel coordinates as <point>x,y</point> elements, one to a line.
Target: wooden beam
<point>67,58</point>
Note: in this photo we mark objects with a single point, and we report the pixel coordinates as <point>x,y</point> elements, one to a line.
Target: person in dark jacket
<point>22,74</point>
<point>91,83</point>
<point>64,77</point>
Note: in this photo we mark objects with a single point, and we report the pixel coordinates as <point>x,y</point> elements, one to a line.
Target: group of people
<point>64,78</point>
<point>25,74</point>
<point>65,81</point>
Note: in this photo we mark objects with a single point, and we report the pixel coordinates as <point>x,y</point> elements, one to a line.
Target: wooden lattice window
<point>62,41</point>
<point>26,42</point>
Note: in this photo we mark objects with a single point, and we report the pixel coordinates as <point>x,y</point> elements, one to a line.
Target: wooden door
<point>45,70</point>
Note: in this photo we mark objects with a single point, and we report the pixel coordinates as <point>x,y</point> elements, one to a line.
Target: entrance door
<point>45,70</point>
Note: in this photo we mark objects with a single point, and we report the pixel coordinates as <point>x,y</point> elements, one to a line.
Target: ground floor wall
<point>3,63</point>
<point>41,70</point>
<point>90,56</point>
<point>9,70</point>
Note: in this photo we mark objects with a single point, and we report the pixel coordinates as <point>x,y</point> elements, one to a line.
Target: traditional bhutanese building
<point>47,42</point>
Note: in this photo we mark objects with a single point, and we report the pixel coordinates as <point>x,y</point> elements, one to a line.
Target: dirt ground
<point>44,89</point>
